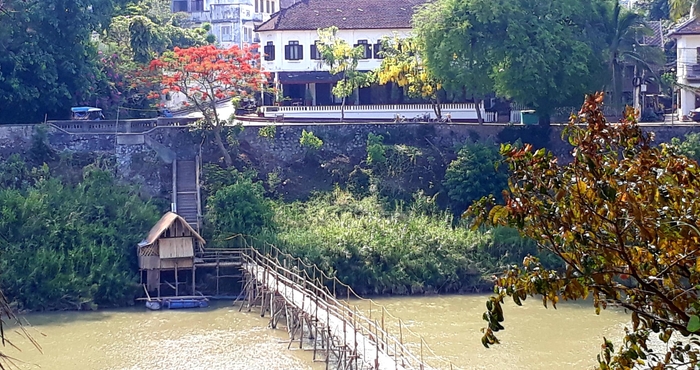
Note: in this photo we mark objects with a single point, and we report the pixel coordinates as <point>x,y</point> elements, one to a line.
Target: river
<point>223,338</point>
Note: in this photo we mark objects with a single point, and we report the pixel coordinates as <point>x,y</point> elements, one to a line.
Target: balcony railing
<point>457,111</point>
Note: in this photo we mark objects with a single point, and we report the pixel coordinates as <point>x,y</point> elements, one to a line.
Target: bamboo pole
<point>421,353</point>
<point>194,268</point>
<point>302,315</point>
<point>376,341</point>
<point>315,326</point>
<point>176,282</point>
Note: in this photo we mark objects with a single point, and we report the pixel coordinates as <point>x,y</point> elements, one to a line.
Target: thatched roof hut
<point>170,243</point>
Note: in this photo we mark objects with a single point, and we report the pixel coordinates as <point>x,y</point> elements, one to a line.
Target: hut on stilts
<point>167,258</point>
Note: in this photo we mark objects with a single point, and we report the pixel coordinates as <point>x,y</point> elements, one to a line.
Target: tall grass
<point>399,250</point>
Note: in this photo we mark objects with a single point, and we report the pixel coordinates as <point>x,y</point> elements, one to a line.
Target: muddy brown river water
<point>222,338</point>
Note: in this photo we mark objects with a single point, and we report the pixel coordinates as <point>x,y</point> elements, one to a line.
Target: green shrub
<point>378,251</point>
<point>309,140</point>
<point>71,247</point>
<point>268,132</point>
<point>689,146</point>
<point>474,174</point>
<point>240,208</point>
<point>376,152</point>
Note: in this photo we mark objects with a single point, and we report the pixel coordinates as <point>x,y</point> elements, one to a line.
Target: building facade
<point>288,42</point>
<point>233,21</point>
<point>687,36</point>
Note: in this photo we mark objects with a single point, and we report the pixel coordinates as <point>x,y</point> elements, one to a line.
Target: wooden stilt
<point>301,316</point>
<point>194,268</point>
<point>217,276</point>
<point>176,282</point>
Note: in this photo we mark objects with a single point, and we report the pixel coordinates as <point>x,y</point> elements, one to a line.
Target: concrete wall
<point>145,158</point>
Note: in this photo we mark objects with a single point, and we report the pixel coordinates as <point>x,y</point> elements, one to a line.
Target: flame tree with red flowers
<point>206,75</point>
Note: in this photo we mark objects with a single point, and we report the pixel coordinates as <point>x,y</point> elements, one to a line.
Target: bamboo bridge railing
<point>389,334</point>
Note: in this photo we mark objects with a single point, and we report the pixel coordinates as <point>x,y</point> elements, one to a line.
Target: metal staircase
<point>186,189</point>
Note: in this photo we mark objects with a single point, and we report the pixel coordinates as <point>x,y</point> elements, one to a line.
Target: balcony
<point>200,17</point>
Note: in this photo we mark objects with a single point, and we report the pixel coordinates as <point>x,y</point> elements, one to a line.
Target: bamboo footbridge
<point>344,330</point>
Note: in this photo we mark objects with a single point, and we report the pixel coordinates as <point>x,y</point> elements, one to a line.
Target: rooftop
<point>690,26</point>
<point>656,38</point>
<point>344,14</point>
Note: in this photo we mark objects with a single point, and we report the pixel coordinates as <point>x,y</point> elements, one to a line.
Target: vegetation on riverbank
<point>393,249</point>
<point>375,243</point>
<point>68,245</point>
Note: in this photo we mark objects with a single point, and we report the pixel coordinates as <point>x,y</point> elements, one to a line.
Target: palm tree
<point>681,8</point>
<point>624,29</point>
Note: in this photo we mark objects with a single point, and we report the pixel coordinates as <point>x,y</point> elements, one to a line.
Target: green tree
<point>689,146</point>
<point>542,54</point>
<point>622,217</point>
<point>682,8</point>
<point>655,10</point>
<point>474,174</point>
<point>456,48</point>
<point>343,59</point>
<point>138,33</point>
<point>240,208</point>
<point>47,60</point>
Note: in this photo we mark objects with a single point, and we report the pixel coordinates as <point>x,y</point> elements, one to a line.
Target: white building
<point>288,41</point>
<point>233,21</point>
<point>687,37</point>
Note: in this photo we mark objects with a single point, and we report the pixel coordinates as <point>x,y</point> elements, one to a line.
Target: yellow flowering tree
<point>341,58</point>
<point>403,65</point>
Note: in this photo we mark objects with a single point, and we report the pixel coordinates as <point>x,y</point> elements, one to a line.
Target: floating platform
<point>177,303</point>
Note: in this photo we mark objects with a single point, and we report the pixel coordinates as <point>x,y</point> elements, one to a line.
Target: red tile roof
<point>689,27</point>
<point>344,14</point>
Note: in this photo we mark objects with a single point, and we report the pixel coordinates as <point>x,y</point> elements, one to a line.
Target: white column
<point>312,88</point>
<point>687,102</point>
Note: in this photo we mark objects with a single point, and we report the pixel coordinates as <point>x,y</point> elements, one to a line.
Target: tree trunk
<point>479,118</point>
<point>437,108</point>
<point>220,143</point>
<point>342,110</point>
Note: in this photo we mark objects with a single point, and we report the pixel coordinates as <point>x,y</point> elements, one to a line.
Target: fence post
<point>383,328</point>
<point>376,341</point>
<point>421,353</point>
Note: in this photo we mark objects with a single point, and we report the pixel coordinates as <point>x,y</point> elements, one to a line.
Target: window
<point>269,51</point>
<point>179,6</point>
<point>257,6</point>
<point>315,54</point>
<point>368,49</point>
<point>378,50</point>
<point>273,6</point>
<point>197,5</point>
<point>697,58</point>
<point>225,33</point>
<point>293,51</point>
<point>268,6</point>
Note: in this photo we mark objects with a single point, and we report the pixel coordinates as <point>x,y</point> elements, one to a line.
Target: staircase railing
<point>388,333</point>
